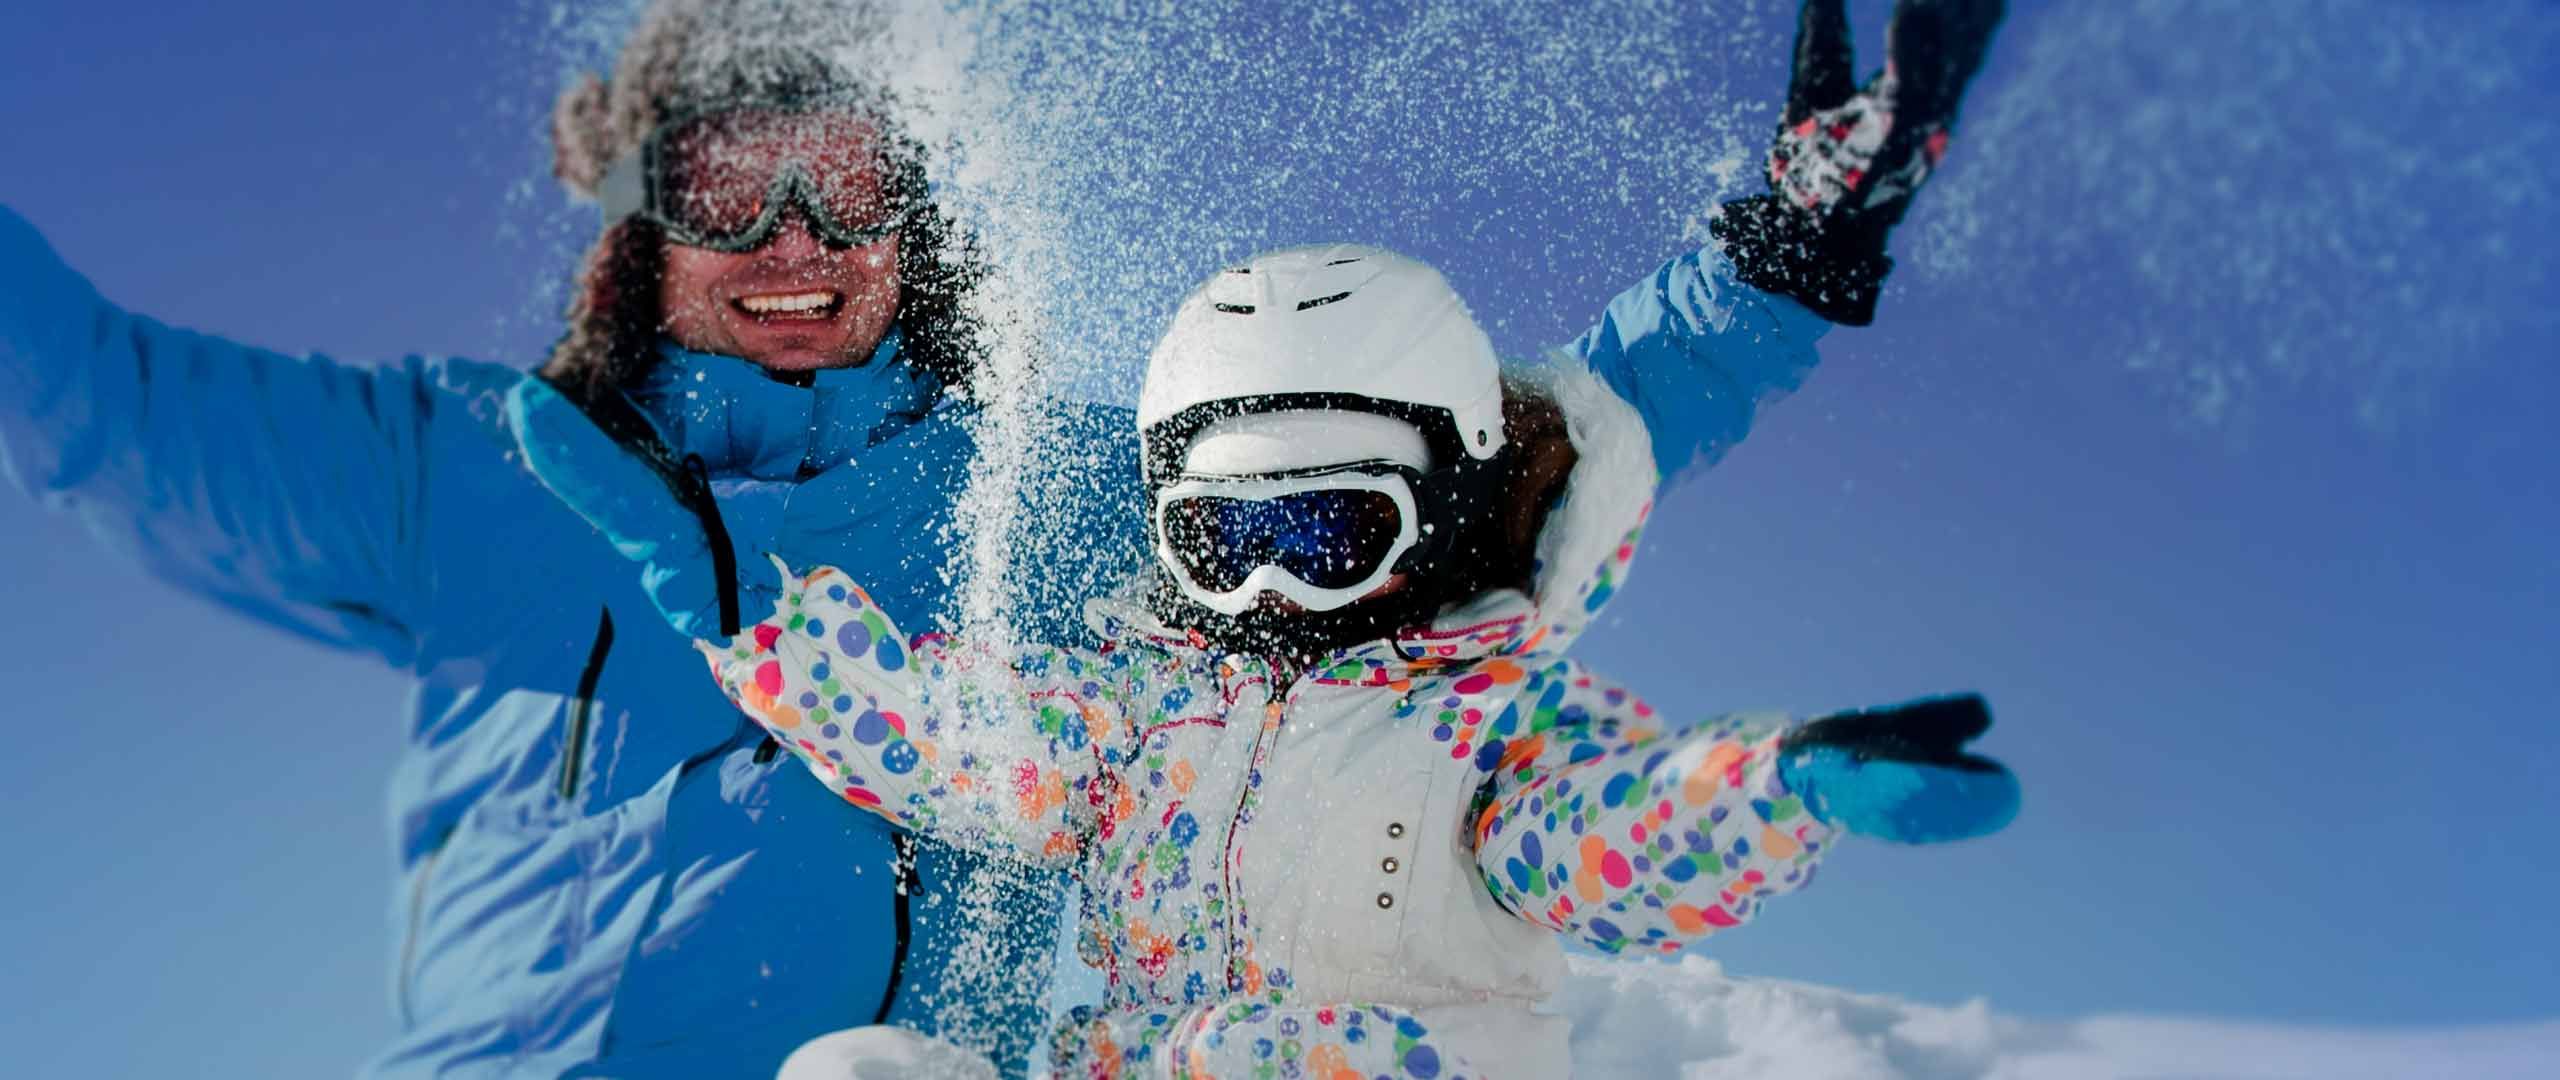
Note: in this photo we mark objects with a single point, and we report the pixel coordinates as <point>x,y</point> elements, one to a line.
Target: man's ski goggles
<point>723,180</point>
<point>1322,540</point>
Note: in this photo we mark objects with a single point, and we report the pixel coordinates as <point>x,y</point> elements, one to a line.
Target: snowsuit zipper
<point>1273,710</point>
<point>573,756</point>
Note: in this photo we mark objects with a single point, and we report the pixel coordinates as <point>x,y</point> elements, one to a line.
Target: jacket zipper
<point>573,757</point>
<point>1273,709</point>
<point>687,477</point>
<point>906,882</point>
<point>695,493</point>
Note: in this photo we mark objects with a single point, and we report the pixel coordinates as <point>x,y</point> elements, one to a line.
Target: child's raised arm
<point>1603,824</point>
<point>1713,335</point>
<point>932,734</point>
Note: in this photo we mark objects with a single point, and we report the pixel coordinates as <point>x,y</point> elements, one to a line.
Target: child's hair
<point>1541,458</point>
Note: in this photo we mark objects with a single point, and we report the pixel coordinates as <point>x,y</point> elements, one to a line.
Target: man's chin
<point>797,349</point>
<point>812,345</point>
<point>800,360</point>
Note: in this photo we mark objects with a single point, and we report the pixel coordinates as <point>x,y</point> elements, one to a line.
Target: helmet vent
<point>1344,262</point>
<point>1236,309</point>
<point>1323,300</point>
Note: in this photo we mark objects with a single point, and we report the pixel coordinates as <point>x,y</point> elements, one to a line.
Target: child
<point>1320,812</point>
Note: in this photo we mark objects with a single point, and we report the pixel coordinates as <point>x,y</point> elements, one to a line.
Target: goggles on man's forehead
<point>1321,539</point>
<point>724,179</point>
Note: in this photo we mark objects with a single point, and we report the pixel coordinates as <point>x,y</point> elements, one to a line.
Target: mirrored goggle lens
<point>1329,539</point>
<point>716,172</point>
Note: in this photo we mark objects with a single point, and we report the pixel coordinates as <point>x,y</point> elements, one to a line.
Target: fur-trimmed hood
<point>686,55</point>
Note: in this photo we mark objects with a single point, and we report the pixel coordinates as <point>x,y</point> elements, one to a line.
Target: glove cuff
<point>1834,272</point>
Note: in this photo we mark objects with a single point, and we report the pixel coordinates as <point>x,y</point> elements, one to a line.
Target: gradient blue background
<point>2232,486</point>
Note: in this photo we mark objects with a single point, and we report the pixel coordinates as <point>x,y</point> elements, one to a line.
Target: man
<point>599,877</point>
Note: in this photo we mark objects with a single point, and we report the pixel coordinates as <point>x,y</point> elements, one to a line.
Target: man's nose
<point>792,239</point>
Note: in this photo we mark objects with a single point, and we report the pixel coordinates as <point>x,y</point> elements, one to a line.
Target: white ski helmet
<point>1335,376</point>
<point>1339,328</point>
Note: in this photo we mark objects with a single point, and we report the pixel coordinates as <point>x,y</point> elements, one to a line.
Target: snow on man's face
<point>792,304</point>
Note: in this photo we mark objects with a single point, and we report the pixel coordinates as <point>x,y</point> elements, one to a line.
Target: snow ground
<point>1689,1019</point>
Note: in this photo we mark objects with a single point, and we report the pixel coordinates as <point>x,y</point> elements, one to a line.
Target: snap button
<point>1389,865</point>
<point>1386,900</point>
<point>1395,829</point>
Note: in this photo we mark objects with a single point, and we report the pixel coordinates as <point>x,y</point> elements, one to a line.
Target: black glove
<point>1901,773</point>
<point>1848,159</point>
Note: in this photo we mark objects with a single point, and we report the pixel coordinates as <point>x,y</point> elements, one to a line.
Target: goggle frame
<point>1394,480</point>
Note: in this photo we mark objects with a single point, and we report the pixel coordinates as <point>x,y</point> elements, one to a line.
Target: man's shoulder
<point>461,403</point>
<point>467,442</point>
<point>460,376</point>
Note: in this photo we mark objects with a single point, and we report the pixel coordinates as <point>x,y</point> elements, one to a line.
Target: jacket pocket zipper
<point>573,756</point>
<point>409,941</point>
<point>906,883</point>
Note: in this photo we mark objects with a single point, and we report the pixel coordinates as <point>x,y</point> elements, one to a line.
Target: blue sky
<point>2204,429</point>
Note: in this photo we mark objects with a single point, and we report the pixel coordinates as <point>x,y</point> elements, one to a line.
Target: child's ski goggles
<point>722,180</point>
<point>1321,539</point>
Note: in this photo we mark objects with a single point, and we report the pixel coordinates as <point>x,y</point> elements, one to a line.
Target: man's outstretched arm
<point>287,488</point>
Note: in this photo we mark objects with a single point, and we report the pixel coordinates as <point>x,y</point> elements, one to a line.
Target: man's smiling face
<point>793,303</point>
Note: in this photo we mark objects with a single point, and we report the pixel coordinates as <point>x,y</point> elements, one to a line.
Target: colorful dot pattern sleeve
<point>1600,824</point>
<point>935,736</point>
<point>1256,1040</point>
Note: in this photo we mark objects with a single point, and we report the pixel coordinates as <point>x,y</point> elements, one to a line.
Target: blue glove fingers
<point>1930,729</point>
<point>1903,802</point>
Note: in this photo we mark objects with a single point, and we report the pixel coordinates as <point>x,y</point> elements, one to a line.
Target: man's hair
<point>696,56</point>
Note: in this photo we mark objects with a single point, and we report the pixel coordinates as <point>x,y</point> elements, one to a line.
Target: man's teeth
<point>786,303</point>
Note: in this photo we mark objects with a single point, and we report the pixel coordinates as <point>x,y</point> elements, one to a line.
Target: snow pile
<point>1691,1020</point>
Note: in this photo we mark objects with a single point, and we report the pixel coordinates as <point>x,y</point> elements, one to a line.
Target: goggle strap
<point>624,191</point>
